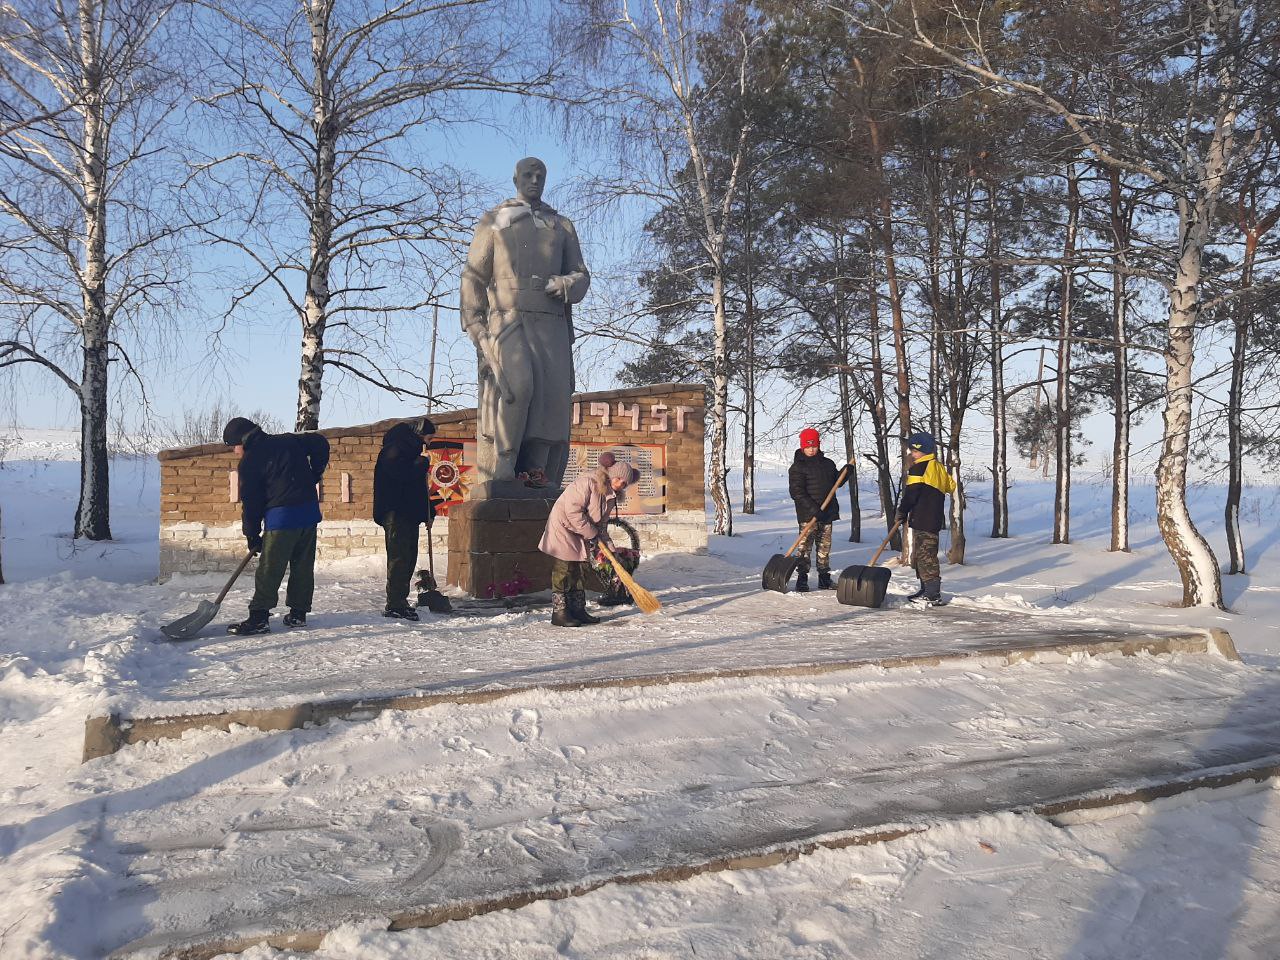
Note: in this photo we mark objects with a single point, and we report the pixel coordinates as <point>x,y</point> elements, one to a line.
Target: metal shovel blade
<point>184,628</point>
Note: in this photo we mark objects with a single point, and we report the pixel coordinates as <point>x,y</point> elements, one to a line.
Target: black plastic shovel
<point>861,586</point>
<point>184,628</point>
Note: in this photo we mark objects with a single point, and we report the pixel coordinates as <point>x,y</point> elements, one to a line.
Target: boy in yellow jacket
<point>922,507</point>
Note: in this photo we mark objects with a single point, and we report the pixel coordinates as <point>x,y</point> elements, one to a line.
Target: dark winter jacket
<point>278,477</point>
<point>809,480</point>
<point>924,497</point>
<point>400,478</point>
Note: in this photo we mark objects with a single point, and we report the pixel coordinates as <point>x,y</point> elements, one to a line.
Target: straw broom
<point>645,600</point>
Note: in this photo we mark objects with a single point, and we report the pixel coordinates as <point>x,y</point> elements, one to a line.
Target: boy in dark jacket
<point>809,480</point>
<point>922,508</point>
<point>280,509</point>
<point>401,503</point>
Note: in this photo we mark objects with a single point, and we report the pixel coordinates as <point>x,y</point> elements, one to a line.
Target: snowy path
<point>726,621</point>
<point>249,834</point>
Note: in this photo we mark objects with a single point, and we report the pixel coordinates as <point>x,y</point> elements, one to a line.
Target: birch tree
<point>661,85</point>
<point>336,212</point>
<point>1196,57</point>
<point>89,258</point>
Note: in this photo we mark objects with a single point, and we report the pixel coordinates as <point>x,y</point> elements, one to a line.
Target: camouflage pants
<point>820,536</point>
<point>924,556</point>
<point>567,575</point>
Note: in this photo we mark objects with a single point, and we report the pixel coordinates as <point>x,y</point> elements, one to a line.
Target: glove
<point>255,542</point>
<point>901,518</point>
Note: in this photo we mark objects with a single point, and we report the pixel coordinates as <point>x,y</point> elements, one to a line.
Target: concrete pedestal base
<point>492,542</point>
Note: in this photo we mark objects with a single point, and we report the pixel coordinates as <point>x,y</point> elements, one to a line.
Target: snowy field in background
<point>1193,877</point>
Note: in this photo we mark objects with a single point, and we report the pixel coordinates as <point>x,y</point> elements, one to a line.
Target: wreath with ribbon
<point>628,557</point>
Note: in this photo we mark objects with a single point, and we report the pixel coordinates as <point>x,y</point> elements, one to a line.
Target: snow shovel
<point>429,595</point>
<point>861,586</point>
<point>184,628</point>
<point>778,571</point>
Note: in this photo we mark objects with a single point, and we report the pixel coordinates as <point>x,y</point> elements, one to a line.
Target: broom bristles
<point>645,600</point>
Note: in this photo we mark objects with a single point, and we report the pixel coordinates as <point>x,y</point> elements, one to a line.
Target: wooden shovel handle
<point>892,530</point>
<point>804,531</point>
<point>234,577</point>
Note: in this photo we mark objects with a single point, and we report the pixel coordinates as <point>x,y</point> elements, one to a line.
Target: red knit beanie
<point>808,438</point>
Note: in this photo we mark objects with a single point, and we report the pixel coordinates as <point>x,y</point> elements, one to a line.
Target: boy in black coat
<point>809,480</point>
<point>923,508</point>
<point>280,509</point>
<point>402,502</point>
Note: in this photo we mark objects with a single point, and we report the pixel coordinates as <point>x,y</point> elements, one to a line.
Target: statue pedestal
<point>492,542</point>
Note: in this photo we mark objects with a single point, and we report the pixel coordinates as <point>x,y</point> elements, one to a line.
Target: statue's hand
<point>477,331</point>
<point>557,287</point>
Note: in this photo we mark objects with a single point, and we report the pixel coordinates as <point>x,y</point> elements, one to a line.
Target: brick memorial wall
<point>658,428</point>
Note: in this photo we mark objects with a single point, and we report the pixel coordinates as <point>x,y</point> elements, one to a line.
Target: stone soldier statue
<point>524,271</point>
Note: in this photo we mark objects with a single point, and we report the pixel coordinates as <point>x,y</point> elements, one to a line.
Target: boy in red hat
<point>809,480</point>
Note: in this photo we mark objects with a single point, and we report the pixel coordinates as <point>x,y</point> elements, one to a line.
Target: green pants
<point>567,575</point>
<point>924,556</point>
<point>401,539</point>
<point>292,549</point>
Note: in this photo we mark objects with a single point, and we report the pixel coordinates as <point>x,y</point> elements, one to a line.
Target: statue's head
<point>530,179</point>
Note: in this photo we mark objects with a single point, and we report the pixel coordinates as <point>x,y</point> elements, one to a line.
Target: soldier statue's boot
<point>824,580</point>
<point>560,614</point>
<point>578,607</point>
<point>259,621</point>
<point>802,583</point>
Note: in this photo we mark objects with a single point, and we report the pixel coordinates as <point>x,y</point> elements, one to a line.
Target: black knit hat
<point>423,426</point>
<point>236,430</point>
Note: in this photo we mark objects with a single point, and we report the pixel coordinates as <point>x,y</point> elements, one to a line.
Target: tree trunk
<point>999,424</point>
<point>1241,315</point>
<point>903,383</point>
<point>1198,567</point>
<point>1062,429</point>
<point>879,411</point>
<point>1120,380</point>
<point>315,316</point>
<point>749,378</point>
<point>720,412</point>
<point>93,513</point>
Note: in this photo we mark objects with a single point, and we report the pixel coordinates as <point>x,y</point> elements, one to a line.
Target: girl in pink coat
<point>580,515</point>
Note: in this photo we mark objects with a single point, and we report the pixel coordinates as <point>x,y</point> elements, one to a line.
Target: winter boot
<point>259,621</point>
<point>824,580</point>
<point>561,615</point>
<point>917,595</point>
<point>401,613</point>
<point>933,593</point>
<point>295,618</point>
<point>802,583</point>
<point>578,607</point>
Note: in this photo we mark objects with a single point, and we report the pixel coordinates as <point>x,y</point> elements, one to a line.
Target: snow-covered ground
<point>225,833</point>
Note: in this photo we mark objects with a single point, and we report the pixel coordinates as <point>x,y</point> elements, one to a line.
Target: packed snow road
<point>230,836</point>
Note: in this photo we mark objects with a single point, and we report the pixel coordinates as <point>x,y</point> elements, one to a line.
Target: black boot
<point>578,607</point>
<point>933,593</point>
<point>258,622</point>
<point>401,613</point>
<point>561,615</point>
<point>918,594</point>
<point>802,583</point>
<point>824,580</point>
<point>295,618</point>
